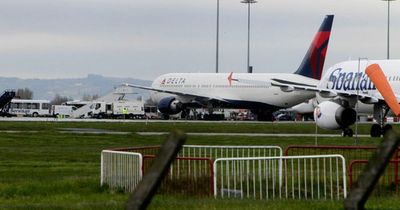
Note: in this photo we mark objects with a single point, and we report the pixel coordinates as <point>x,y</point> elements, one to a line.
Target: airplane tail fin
<point>313,61</point>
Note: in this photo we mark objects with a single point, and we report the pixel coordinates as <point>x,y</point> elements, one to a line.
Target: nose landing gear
<point>380,112</point>
<point>347,132</point>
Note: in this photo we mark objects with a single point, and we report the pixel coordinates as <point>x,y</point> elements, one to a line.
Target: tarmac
<point>100,131</point>
<point>250,134</point>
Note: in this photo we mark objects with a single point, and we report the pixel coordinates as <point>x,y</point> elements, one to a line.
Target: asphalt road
<point>97,131</point>
<point>52,119</point>
<point>249,134</point>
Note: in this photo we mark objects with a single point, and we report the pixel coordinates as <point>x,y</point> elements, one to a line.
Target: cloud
<point>43,42</point>
<point>147,38</point>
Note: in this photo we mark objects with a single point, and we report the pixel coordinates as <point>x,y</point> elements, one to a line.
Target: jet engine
<point>333,115</point>
<point>170,105</point>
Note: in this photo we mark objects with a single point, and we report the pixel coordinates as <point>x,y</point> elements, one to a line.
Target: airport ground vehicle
<point>284,115</point>
<point>27,107</point>
<point>62,110</point>
<point>5,100</point>
<point>117,109</point>
<point>128,109</point>
<point>151,112</point>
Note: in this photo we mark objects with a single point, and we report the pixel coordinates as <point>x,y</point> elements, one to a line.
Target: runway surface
<point>92,131</point>
<point>250,134</point>
<point>100,131</point>
<point>52,119</point>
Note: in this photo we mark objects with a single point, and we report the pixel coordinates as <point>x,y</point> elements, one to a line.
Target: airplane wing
<point>288,86</point>
<point>329,93</point>
<point>179,93</point>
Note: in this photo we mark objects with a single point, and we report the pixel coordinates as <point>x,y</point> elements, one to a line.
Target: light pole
<point>248,2</point>
<point>388,28</point>
<point>217,42</point>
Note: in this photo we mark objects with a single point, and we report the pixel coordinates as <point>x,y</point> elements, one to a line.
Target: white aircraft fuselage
<point>350,76</point>
<point>256,88</point>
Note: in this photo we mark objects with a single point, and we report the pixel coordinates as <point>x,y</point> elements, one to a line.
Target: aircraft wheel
<point>347,132</point>
<point>376,130</point>
<point>165,116</point>
<point>185,113</point>
<point>386,128</point>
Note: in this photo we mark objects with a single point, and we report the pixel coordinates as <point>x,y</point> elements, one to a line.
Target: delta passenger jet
<point>177,92</point>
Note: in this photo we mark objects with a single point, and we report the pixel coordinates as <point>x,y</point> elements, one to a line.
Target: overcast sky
<point>143,39</point>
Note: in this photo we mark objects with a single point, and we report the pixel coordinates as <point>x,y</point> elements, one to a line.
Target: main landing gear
<point>378,129</point>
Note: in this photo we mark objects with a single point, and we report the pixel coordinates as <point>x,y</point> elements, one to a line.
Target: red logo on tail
<point>230,78</point>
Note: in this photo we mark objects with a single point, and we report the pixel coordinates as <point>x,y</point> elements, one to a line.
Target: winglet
<point>377,77</point>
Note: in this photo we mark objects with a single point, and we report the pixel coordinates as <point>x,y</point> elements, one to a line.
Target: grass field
<point>218,127</point>
<point>41,168</point>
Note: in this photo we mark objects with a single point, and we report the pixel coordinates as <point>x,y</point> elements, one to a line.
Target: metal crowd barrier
<point>287,177</point>
<point>121,170</point>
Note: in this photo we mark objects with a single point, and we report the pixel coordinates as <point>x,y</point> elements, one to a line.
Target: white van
<point>62,110</point>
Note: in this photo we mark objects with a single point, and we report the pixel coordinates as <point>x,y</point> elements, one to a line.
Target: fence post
<point>359,194</point>
<point>102,169</point>
<point>146,189</point>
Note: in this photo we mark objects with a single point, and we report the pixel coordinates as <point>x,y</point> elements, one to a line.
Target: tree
<point>95,97</point>
<point>25,93</point>
<point>88,97</point>
<point>58,99</point>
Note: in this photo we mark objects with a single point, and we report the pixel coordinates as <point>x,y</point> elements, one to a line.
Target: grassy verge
<point>169,202</point>
<point>219,127</point>
<point>52,170</point>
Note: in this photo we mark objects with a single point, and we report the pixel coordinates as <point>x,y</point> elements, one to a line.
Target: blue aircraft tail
<point>313,61</point>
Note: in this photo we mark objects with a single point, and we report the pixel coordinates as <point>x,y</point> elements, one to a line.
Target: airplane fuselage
<point>176,92</point>
<point>243,90</point>
<point>350,76</point>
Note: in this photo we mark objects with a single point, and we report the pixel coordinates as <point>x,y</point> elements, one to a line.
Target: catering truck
<point>128,109</point>
<point>117,109</point>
